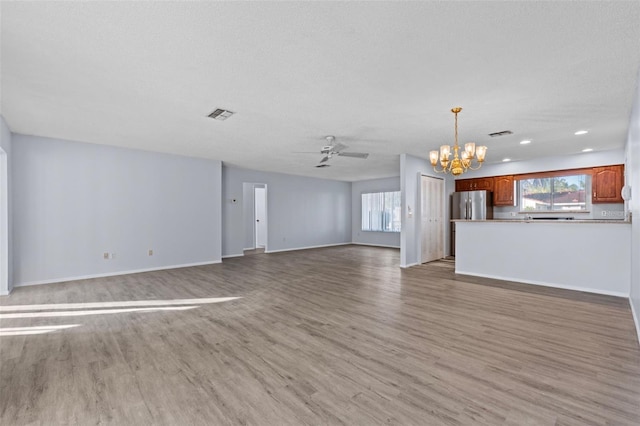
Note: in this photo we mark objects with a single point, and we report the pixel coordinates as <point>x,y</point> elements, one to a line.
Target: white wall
<point>633,179</point>
<point>302,212</point>
<point>410,169</point>
<point>388,239</point>
<point>74,201</point>
<point>6,216</point>
<point>590,256</point>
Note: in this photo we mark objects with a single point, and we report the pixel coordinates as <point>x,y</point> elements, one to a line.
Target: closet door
<point>432,218</point>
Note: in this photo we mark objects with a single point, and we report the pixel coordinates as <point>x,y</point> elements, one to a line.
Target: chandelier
<point>461,161</point>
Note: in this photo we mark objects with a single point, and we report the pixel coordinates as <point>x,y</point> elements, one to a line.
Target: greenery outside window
<point>556,193</point>
<point>381,211</point>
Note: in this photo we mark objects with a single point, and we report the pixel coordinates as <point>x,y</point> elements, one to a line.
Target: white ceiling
<point>379,76</point>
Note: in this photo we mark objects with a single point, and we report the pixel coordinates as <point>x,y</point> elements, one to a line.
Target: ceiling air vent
<point>221,114</point>
<point>502,133</point>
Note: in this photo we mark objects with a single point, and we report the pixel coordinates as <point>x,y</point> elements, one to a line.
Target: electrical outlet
<point>604,213</point>
<point>150,252</point>
<point>513,214</point>
<point>105,256</point>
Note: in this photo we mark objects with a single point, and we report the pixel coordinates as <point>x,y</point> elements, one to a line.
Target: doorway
<point>255,218</point>
<point>431,218</point>
<point>260,224</point>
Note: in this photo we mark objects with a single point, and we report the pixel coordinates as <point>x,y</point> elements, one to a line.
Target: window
<point>381,211</point>
<point>557,193</point>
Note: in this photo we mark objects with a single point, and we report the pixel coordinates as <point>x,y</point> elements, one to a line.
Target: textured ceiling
<point>379,76</point>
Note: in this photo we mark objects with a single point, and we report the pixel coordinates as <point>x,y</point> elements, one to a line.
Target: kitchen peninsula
<point>584,255</point>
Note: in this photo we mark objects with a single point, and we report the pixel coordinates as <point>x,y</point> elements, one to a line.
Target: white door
<point>432,218</point>
<point>260,197</point>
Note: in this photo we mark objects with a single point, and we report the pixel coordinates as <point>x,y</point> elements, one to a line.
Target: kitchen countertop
<point>610,221</point>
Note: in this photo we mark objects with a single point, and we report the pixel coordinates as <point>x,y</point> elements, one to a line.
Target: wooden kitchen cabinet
<point>503,191</point>
<point>477,184</point>
<point>607,183</point>
<point>463,185</point>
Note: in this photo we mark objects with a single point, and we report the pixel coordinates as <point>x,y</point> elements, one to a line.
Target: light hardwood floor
<point>328,336</point>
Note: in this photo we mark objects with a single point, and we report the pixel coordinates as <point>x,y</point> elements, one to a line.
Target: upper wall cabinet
<point>607,183</point>
<point>503,191</point>
<point>477,184</point>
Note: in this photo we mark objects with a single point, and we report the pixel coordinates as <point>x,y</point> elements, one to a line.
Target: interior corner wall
<point>386,239</point>
<point>7,215</point>
<point>411,168</point>
<point>302,212</point>
<point>632,176</point>
<point>75,201</point>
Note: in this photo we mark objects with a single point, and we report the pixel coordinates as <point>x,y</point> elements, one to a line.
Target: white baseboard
<point>545,284</point>
<point>306,248</point>
<point>112,274</point>
<point>636,320</point>
<point>409,265</point>
<point>247,248</point>
<point>312,247</point>
<point>374,245</point>
<point>233,255</point>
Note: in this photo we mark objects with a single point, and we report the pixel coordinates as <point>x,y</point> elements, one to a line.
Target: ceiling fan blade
<point>339,147</point>
<point>304,152</point>
<point>325,159</point>
<point>362,155</point>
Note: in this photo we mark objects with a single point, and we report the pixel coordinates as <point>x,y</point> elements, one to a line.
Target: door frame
<point>248,214</point>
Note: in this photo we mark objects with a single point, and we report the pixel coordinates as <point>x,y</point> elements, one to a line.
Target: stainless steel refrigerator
<point>469,205</point>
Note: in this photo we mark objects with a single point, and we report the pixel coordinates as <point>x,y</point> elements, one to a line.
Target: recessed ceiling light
<point>581,132</point>
<point>504,160</point>
<point>587,150</point>
<point>525,142</point>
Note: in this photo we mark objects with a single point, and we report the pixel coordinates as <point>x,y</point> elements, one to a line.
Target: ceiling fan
<point>332,148</point>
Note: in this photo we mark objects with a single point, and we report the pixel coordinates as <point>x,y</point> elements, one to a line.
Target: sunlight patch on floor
<point>93,312</point>
<point>121,304</point>
<point>54,310</point>
<point>22,331</point>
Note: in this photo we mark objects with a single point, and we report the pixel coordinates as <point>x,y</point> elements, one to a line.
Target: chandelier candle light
<point>461,161</point>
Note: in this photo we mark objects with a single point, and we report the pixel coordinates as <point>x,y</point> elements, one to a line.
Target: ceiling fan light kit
<point>461,161</point>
